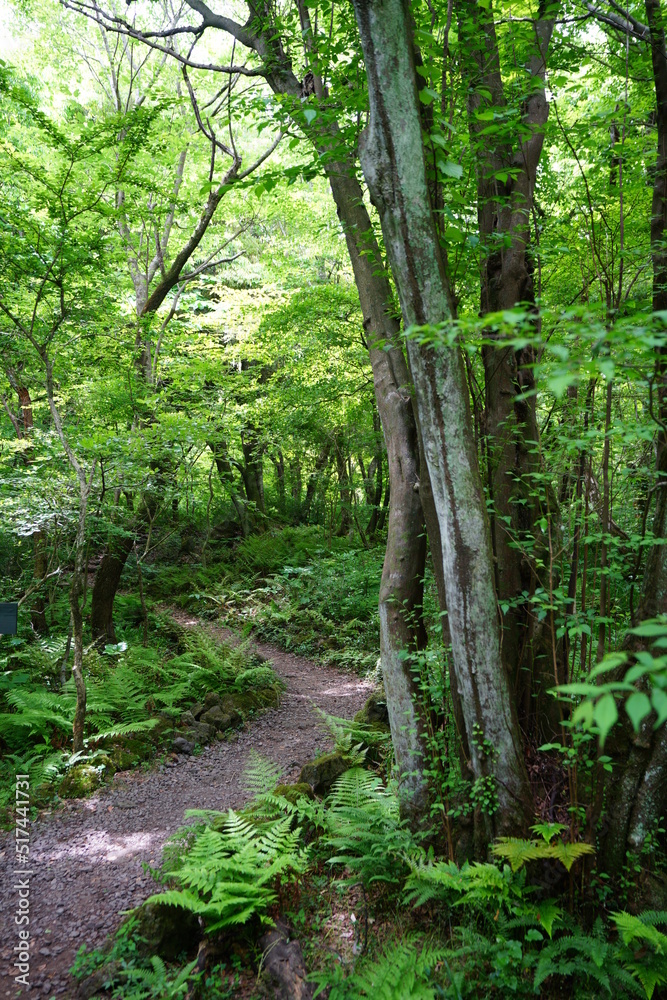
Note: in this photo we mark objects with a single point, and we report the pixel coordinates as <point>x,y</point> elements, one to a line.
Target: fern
<point>403,972</point>
<point>354,739</point>
<point>584,960</point>
<point>518,852</point>
<point>478,884</point>
<point>154,982</point>
<point>227,875</point>
<point>363,826</point>
<point>124,728</point>
<point>260,775</point>
<point>641,932</point>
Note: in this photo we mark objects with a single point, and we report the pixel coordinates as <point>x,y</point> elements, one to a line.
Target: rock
<point>211,698</point>
<point>374,711</point>
<point>201,733</point>
<point>79,781</point>
<point>217,718</point>
<point>230,707</point>
<point>283,963</point>
<point>197,709</point>
<point>322,773</point>
<point>165,930</point>
<point>163,726</point>
<point>92,985</point>
<point>181,745</point>
<point>188,719</point>
<point>128,753</point>
<point>43,793</point>
<point>294,792</point>
<point>223,716</point>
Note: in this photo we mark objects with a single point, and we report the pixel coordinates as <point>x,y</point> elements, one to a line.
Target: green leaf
<point>638,707</point>
<point>659,702</point>
<point>450,169</point>
<point>605,715</point>
<point>310,114</point>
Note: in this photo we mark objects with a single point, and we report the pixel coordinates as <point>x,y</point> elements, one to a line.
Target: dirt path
<point>86,857</point>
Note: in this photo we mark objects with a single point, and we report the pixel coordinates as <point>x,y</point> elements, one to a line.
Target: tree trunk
<point>321,463</point>
<point>401,588</point>
<point>385,507</point>
<point>40,564</point>
<point>105,586</point>
<point>279,466</point>
<point>76,587</point>
<point>504,210</point>
<point>393,163</point>
<point>343,489</point>
<point>253,474</point>
<point>374,490</point>
<point>637,791</point>
<point>226,475</point>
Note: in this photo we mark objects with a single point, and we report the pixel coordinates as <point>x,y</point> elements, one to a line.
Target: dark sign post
<point>9,618</point>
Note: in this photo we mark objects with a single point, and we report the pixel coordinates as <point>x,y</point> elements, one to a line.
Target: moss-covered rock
<point>166,931</point>
<point>211,698</point>
<point>322,773</point>
<point>374,712</point>
<point>43,793</point>
<point>131,751</point>
<point>197,709</point>
<point>222,717</point>
<point>295,791</point>
<point>187,719</point>
<point>201,733</point>
<point>79,782</point>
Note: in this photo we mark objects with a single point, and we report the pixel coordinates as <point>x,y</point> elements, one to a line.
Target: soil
<point>86,856</point>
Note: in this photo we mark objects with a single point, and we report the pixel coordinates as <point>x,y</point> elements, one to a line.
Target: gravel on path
<point>86,856</point>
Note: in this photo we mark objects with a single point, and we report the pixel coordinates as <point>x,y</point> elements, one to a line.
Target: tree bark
<point>253,475</point>
<point>637,790</point>
<point>504,208</point>
<point>76,587</point>
<point>392,159</point>
<point>343,488</point>
<point>105,587</point>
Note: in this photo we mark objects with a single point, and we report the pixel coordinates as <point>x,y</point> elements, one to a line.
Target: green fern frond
<point>633,929</point>
<point>122,729</point>
<point>261,775</point>
<point>518,852</point>
<point>403,972</point>
<point>228,875</point>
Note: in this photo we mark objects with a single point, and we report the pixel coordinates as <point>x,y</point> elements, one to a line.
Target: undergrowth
<point>134,698</point>
<point>480,930</point>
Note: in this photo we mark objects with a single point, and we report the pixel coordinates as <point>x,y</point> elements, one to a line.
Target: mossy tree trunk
<point>637,789</point>
<point>393,163</point>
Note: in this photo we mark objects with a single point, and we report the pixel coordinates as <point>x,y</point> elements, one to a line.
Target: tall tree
<point>392,158</point>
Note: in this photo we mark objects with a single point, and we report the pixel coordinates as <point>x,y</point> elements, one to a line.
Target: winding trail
<point>86,857</point>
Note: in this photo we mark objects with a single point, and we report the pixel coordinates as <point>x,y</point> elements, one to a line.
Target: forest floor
<point>87,854</point>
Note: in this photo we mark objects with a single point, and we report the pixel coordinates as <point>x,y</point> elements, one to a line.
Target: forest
<point>333,480</point>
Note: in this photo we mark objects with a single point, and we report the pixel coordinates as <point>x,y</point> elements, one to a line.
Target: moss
<point>322,773</point>
<point>167,931</point>
<point>294,792</point>
<point>43,793</point>
<point>80,781</point>
<point>122,758</point>
<point>374,713</point>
